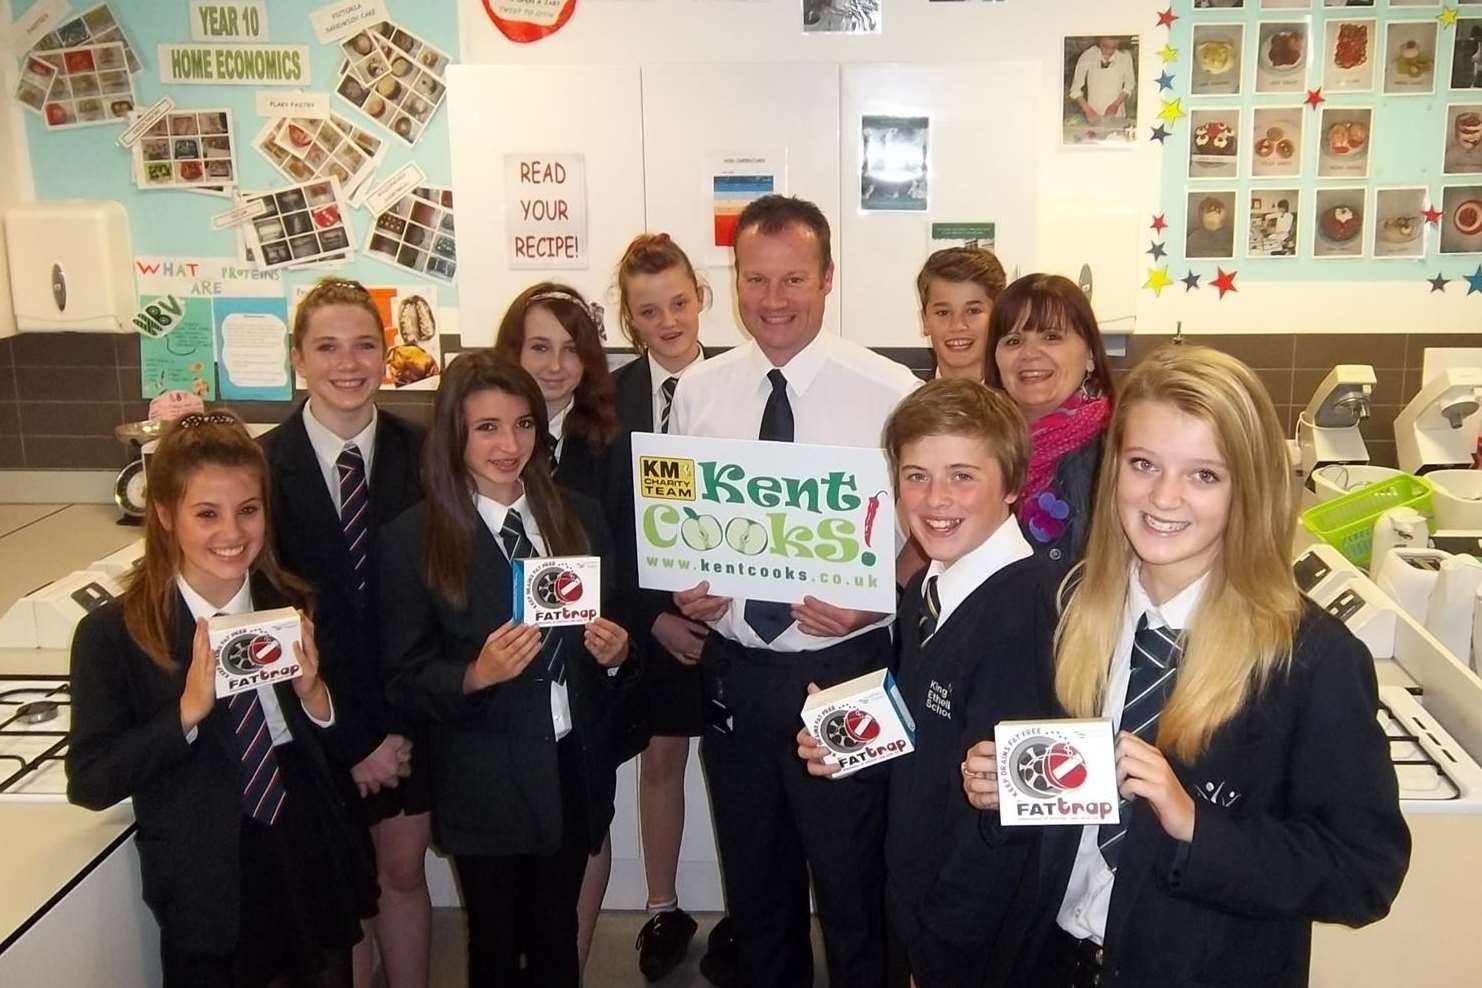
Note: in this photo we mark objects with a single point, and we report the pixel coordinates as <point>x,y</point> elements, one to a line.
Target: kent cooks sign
<point>767,521</point>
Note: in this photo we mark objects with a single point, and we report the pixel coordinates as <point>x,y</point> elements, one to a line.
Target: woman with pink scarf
<point>1045,350</point>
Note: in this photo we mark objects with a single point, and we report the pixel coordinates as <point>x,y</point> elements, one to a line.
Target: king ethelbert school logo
<point>245,654</point>
<point>848,730</point>
<point>1046,767</point>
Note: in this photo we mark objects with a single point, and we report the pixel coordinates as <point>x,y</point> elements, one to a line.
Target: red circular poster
<point>529,20</point>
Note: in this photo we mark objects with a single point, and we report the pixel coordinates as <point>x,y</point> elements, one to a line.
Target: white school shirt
<point>200,607</point>
<point>657,375</point>
<point>492,513</point>
<point>841,394</point>
<point>556,426</point>
<point>328,447</point>
<point>1087,899</point>
<point>957,582</point>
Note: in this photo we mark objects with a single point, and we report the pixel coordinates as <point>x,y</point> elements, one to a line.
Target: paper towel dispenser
<point>71,266</point>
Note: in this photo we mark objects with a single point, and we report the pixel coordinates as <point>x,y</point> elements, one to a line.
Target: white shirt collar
<point>200,607</point>
<point>956,582</point>
<point>801,370</point>
<point>558,421</point>
<point>657,374</point>
<point>328,446</point>
<point>1175,613</point>
<point>493,512</point>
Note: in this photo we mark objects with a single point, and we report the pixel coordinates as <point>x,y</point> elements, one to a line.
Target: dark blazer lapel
<point>635,397</point>
<point>304,482</point>
<point>491,581</point>
<point>394,462</point>
<point>1134,868</point>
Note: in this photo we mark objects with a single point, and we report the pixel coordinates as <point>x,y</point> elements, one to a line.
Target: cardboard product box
<point>862,722</point>
<point>551,591</point>
<point>254,649</point>
<point>1056,772</point>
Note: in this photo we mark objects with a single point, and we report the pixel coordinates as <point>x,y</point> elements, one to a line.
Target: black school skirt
<point>303,891</point>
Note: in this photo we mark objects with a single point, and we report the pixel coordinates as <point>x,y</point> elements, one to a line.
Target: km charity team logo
<point>848,730</point>
<point>555,587</point>
<point>245,654</point>
<point>1045,767</point>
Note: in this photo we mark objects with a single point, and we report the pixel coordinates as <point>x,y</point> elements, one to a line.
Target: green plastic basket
<point>1347,523</point>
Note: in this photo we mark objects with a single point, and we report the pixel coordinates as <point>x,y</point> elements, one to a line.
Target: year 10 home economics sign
<point>765,521</point>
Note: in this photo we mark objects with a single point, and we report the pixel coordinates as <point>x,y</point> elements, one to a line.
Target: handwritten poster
<point>546,210</point>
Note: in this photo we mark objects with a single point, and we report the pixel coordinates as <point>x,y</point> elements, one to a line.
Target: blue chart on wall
<point>1318,141</point>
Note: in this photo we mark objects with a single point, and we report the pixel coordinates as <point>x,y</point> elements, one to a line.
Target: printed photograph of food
<point>1273,223</point>
<point>403,98</point>
<point>1461,219</point>
<point>1399,222</point>
<point>74,97</point>
<point>1210,227</point>
<point>298,225</point>
<point>417,233</point>
<point>1347,134</point>
<point>1466,54</point>
<point>1217,61</point>
<point>1410,57</point>
<point>1348,64</point>
<point>1462,154</point>
<point>1214,143</point>
<point>1340,223</point>
<point>36,79</point>
<point>1281,57</point>
<point>1276,143</point>
<point>94,26</point>
<point>187,149</point>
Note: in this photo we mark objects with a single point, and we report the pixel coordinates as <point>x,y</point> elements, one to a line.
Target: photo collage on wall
<point>394,78</point>
<point>1303,118</point>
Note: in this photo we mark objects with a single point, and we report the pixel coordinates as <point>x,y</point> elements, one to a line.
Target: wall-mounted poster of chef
<point>1100,105</point>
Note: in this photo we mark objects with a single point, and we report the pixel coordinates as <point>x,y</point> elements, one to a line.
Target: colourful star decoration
<point>1173,111</point>
<point>1157,280</point>
<point>1159,224</point>
<point>1314,97</point>
<point>1432,216</point>
<point>1224,281</point>
<point>1168,54</point>
<point>1157,250</point>
<point>1191,282</point>
<point>1165,82</point>
<point>1438,283</point>
<point>1474,282</point>
<point>1447,17</point>
<point>1167,18</point>
<point>1160,133</point>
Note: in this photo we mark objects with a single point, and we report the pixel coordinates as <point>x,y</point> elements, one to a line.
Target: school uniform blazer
<point>126,742</point>
<point>496,783</point>
<point>310,543</point>
<point>956,882</point>
<point>1297,820</point>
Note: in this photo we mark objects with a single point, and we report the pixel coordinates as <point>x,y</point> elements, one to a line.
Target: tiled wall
<point>62,394</point>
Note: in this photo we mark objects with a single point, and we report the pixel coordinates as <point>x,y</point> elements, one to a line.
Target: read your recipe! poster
<point>765,521</point>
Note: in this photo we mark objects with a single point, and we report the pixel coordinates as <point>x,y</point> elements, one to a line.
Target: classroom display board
<point>1321,166</point>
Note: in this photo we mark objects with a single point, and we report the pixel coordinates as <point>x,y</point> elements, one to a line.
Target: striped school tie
<point>262,783</point>
<point>355,511</point>
<point>931,610</point>
<point>667,390</point>
<point>1155,655</point>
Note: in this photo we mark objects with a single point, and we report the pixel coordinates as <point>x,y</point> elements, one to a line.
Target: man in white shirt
<point>1103,81</point>
<point>774,824</point>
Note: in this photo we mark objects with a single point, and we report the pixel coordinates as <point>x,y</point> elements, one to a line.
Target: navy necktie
<point>355,511</point>
<point>667,390</point>
<point>766,618</point>
<point>931,610</point>
<point>1155,655</point>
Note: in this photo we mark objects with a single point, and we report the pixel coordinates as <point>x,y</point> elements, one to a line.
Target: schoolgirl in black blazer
<point>252,875</point>
<point>522,769</point>
<point>334,442</point>
<point>1257,793</point>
